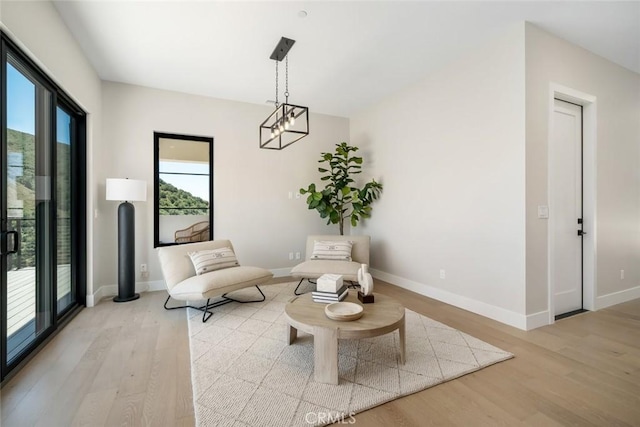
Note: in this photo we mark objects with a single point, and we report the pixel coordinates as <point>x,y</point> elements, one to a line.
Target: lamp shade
<point>130,190</point>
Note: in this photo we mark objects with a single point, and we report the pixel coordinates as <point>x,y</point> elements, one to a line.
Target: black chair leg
<point>206,314</point>
<point>228,300</point>
<point>295,291</point>
<point>204,309</point>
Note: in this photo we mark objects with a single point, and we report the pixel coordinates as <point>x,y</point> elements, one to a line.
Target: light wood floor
<point>21,294</point>
<point>128,365</point>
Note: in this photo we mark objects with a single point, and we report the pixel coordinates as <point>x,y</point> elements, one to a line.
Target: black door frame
<point>78,208</point>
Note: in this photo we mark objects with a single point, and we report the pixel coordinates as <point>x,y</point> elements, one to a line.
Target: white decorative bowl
<point>344,311</point>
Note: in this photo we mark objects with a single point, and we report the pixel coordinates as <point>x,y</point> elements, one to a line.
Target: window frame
<point>156,182</point>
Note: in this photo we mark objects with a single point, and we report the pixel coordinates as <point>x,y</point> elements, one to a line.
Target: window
<point>183,189</point>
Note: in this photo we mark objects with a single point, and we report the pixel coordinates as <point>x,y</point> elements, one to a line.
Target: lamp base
<point>126,254</point>
<point>126,299</point>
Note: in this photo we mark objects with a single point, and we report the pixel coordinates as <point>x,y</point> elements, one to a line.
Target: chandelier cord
<point>286,80</point>
<point>277,103</point>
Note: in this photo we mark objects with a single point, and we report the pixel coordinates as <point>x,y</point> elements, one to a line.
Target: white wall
<point>251,186</point>
<point>37,28</point>
<point>552,60</point>
<point>450,153</point>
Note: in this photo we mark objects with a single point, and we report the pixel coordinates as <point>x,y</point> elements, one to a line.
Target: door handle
<point>582,233</point>
<point>16,242</point>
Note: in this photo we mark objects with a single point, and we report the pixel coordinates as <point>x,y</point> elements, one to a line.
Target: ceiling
<point>347,54</point>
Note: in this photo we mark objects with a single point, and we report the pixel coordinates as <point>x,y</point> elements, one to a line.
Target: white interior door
<point>565,190</point>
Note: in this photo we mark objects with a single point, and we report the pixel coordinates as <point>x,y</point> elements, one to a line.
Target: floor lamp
<point>126,191</point>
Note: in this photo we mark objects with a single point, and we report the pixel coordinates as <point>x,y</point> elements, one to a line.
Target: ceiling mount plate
<point>281,50</point>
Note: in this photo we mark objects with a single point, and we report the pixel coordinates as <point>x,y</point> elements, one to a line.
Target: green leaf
<point>340,199</point>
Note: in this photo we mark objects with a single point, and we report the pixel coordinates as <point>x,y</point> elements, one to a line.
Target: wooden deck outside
<point>21,295</point>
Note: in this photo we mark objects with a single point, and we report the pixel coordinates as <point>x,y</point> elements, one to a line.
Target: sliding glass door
<point>66,295</point>
<point>28,225</point>
<point>42,155</point>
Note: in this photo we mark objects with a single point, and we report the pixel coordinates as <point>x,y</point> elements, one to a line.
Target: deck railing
<point>26,255</point>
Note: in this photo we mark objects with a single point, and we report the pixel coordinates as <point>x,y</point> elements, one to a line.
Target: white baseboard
<point>537,320</point>
<point>92,299</point>
<point>614,298</point>
<point>112,290</point>
<point>156,285</point>
<point>500,314</point>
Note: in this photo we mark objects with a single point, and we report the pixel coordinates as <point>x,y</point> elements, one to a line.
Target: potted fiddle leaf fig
<point>341,199</point>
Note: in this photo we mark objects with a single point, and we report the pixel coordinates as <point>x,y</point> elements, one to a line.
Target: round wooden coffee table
<point>379,318</point>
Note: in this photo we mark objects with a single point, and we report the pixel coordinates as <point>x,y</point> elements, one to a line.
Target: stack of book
<point>329,297</point>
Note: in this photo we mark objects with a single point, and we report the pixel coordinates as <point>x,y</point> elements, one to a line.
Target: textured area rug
<point>244,373</point>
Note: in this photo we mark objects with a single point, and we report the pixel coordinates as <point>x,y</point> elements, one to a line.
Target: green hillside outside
<point>175,201</point>
<point>22,181</point>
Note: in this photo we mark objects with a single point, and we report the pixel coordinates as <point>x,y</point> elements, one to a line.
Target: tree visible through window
<point>183,188</point>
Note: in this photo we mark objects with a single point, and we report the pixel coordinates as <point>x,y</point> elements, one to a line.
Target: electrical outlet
<point>290,256</point>
<point>621,274</point>
<point>443,274</point>
<point>290,194</point>
<point>143,268</point>
<point>297,255</point>
<point>144,275</point>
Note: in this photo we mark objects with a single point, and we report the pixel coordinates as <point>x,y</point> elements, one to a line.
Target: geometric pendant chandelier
<point>288,123</point>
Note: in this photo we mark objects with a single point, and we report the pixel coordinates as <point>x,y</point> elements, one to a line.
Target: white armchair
<point>184,284</point>
<point>312,269</point>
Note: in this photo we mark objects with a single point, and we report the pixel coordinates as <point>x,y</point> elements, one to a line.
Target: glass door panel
<point>66,296</point>
<point>28,201</point>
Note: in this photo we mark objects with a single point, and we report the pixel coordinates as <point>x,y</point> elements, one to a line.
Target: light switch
<point>543,212</point>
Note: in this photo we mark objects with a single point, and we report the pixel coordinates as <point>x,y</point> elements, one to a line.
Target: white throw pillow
<point>332,250</point>
<point>213,259</point>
